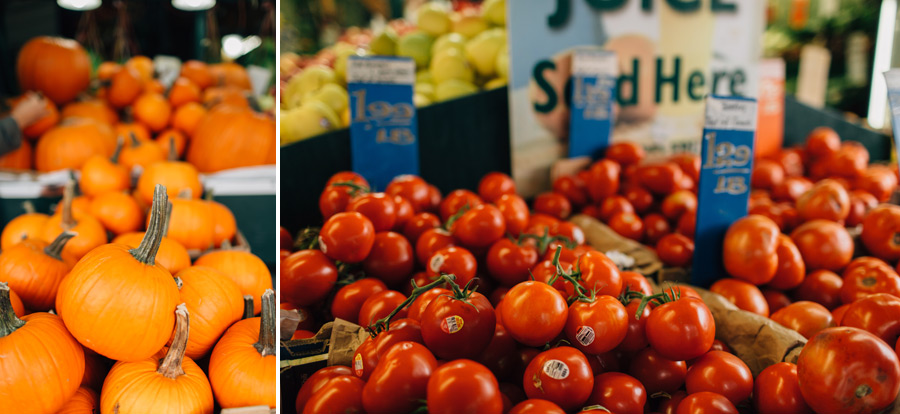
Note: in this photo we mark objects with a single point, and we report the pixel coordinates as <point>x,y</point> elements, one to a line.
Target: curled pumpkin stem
<point>266,344</point>
<point>171,366</point>
<point>146,251</point>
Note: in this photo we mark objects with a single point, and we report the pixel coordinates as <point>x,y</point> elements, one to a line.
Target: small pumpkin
<point>152,110</point>
<point>179,178</point>
<point>58,67</point>
<point>81,206</point>
<point>238,137</point>
<point>108,69</point>
<point>71,143</point>
<point>126,129</point>
<point>118,301</point>
<point>173,142</point>
<point>248,271</point>
<point>174,384</point>
<point>19,159</point>
<point>89,232</point>
<point>27,226</point>
<point>230,74</point>
<point>171,255</point>
<point>182,92</point>
<point>83,402</point>
<point>142,153</point>
<point>41,362</point>
<point>91,109</point>
<point>154,86</point>
<point>125,87</point>
<point>42,125</point>
<point>248,347</point>
<point>198,72</point>
<point>192,224</point>
<point>187,117</point>
<point>103,175</point>
<point>34,269</point>
<point>118,212</point>
<point>225,95</point>
<point>215,303</point>
<point>143,65</point>
<point>225,225</point>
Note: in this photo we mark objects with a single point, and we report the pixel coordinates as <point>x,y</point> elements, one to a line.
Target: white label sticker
<point>556,369</point>
<point>436,262</point>
<point>585,335</point>
<point>322,246</point>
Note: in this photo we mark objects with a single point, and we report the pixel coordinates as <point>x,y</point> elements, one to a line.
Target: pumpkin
<point>126,129</point>
<point>20,159</point>
<point>27,226</point>
<point>178,177</point>
<point>60,68</point>
<point>71,143</point>
<point>142,153</point>
<point>91,109</point>
<point>152,110</point>
<point>230,74</point>
<point>17,306</point>
<point>198,72</point>
<point>143,65</point>
<point>248,271</point>
<point>182,92</point>
<point>42,364</point>
<point>225,95</point>
<point>173,142</point>
<point>83,402</point>
<point>154,86</point>
<point>118,301</point>
<point>238,137</point>
<point>118,212</point>
<point>95,369</point>
<point>43,124</point>
<point>214,302</point>
<point>248,348</point>
<point>103,175</point>
<point>174,384</point>
<point>89,232</point>
<point>171,255</point>
<point>224,224</point>
<point>192,224</point>
<point>81,206</point>
<point>34,270</point>
<point>125,86</point>
<point>187,117</point>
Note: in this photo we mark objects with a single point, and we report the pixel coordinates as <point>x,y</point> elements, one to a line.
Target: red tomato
<point>791,268</point>
<point>379,208</point>
<point>636,282</point>
<point>316,381</point>
<point>838,314</point>
<point>639,198</point>
<point>412,188</point>
<point>333,200</point>
<point>456,200</point>
<point>865,276</point>
<point>596,327</point>
<point>686,339</point>
<point>791,159</point>
<point>553,204</point>
<point>452,260</point>
<point>670,404</point>
<point>655,227</point>
<point>689,163</point>
<point>635,338</point>
<point>545,270</point>
<point>612,205</point>
<point>500,355</point>
<point>678,203</point>
<point>877,180</point>
<point>405,212</point>
<point>807,318</point>
<point>743,295</point>
<point>495,184</point>
<point>662,178</point>
<point>285,242</point>
<point>791,188</point>
<point>749,249</point>
<point>628,225</point>
<point>822,287</point>
<point>536,406</point>
<point>391,258</point>
<point>849,161</point>
<point>347,237</point>
<point>568,230</point>
<point>706,403</point>
<point>480,226</point>
<point>767,174</point>
<point>625,153</point>
<point>822,142</point>
<point>603,179</point>
<point>618,393</point>
<point>879,314</point>
<point>515,213</point>
<point>656,373</point>
<point>572,189</point>
<point>861,203</point>
<point>777,391</point>
<point>307,277</point>
<point>434,198</point>
<point>350,298</point>
<point>823,244</point>
<point>509,263</point>
<point>463,386</point>
<point>827,200</point>
<point>341,394</point>
<point>417,307</point>
<point>560,375</point>
<point>776,300</point>
<point>431,241</point>
<point>399,380</point>
<point>687,224</point>
<point>347,177</point>
<point>600,273</point>
<point>879,232</point>
<point>380,305</point>
<point>419,224</point>
<point>400,330</point>
<point>675,250</point>
<point>848,370</point>
<point>721,373</point>
<point>534,313</point>
<point>365,359</point>
<point>456,328</point>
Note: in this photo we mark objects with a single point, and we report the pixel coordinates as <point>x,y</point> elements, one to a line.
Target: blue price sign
<point>724,188</point>
<point>593,92</point>
<point>892,79</point>
<point>383,127</point>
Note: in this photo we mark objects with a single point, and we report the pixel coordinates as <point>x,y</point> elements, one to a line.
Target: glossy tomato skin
<point>430,242</point>
<point>681,330</point>
<point>318,380</point>
<point>805,317</point>
<point>639,198</point>
<point>572,189</point>
<point>333,200</point>
<point>636,337</point>
<point>822,287</point>
<point>560,375</point>
<point>391,258</point>
<point>655,228</point>
<point>454,329</point>
<point>879,233</point>
<point>418,224</point>
<point>628,225</point>
<point>480,226</point>
<point>405,212</point>
<point>494,185</point>
<point>412,188</point>
<point>379,208</point>
<point>670,404</point>
<point>827,200</point>
<point>776,300</point>
<point>849,161</point>
<point>678,203</point>
<point>661,178</point>
<point>599,272</point>
<point>399,380</point>
<point>749,249</point>
<point>463,386</point>
<point>861,203</point>
<point>349,299</point>
<point>777,391</point>
<point>380,305</point>
<point>456,200</point>
<point>553,204</point>
<point>766,174</point>
<point>619,393</point>
<point>635,282</point>
<point>879,314</point>
<point>865,276</point>
<point>657,374</point>
<point>452,260</point>
<point>603,179</point>
<point>534,313</point>
<point>515,213</point>
<point>848,370</point>
<point>500,355</point>
<point>877,180</point>
<point>596,327</point>
<point>625,153</point>
<point>341,394</point>
<point>536,406</point>
<point>365,359</point>
<point>347,237</point>
<point>743,295</point>
<point>545,270</point>
<point>612,205</point>
<point>509,263</point>
<point>791,268</point>
<point>570,231</point>
<point>675,250</point>
<point>400,330</point>
<point>823,244</point>
<point>722,373</point>
<point>822,142</point>
<point>417,307</point>
<point>706,403</point>
<point>307,277</point>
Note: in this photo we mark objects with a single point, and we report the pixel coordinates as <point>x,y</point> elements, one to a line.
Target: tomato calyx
<point>628,295</point>
<point>465,293</point>
<point>354,189</point>
<point>596,407</point>
<point>422,409</point>
<point>459,213</point>
<point>307,239</point>
<point>383,324</point>
<point>574,278</point>
<point>543,241</point>
<point>665,297</point>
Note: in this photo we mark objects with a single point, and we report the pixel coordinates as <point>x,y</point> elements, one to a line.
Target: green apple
<point>449,41</point>
<point>496,83</point>
<point>453,88</point>
<point>450,64</point>
<point>416,45</point>
<point>424,76</point>
<point>420,100</point>
<point>385,43</point>
<point>434,19</point>
<point>468,23</point>
<point>483,49</point>
<point>307,120</point>
<point>501,64</point>
<point>305,83</point>
<point>494,11</point>
<point>334,95</point>
<point>340,63</point>
<point>424,89</point>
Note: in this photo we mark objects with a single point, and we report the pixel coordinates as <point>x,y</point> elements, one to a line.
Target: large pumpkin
<point>83,402</point>
<point>214,301</point>
<point>41,364</point>
<point>248,348</point>
<point>34,269</point>
<point>71,143</point>
<point>103,175</point>
<point>168,382</point>
<point>118,301</point>
<point>60,68</point>
<point>231,137</point>
<point>171,255</point>
<point>248,271</point>
<point>19,159</point>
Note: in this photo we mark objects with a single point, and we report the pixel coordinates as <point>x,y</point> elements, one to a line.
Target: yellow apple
<point>334,95</point>
<point>424,89</point>
<point>453,88</point>
<point>449,41</point>
<point>483,49</point>
<point>307,120</point>
<point>434,19</point>
<point>450,64</point>
<point>305,83</point>
<point>496,83</point>
<point>468,23</point>
<point>416,45</point>
<point>494,11</point>
<point>385,43</point>
<point>340,63</point>
<point>501,64</point>
<point>424,76</point>
<point>421,100</point>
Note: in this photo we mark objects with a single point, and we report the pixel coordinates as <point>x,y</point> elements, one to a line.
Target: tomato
<point>342,394</point>
<point>283,254</point>
<point>880,229</point>
<point>688,163</point>
<point>350,298</point>
<point>431,241</point>
<point>612,205</point>
<point>639,198</point>
<point>767,174</point>
<point>743,295</point>
<point>463,386</point>
<point>655,227</point>
<point>865,276</point>
<point>861,203</point>
<point>316,381</point>
<point>682,329</point>
<point>675,250</point>
<point>509,263</point>
<point>434,199</point>
<point>635,338</point>
<point>553,204</point>
<point>560,375</point>
<point>849,161</point>
<point>807,318</point>
<point>399,380</point>
<point>625,153</point>
<point>791,268</point>
<point>412,188</point>
<point>307,277</point>
<point>603,179</point>
<point>877,180</point>
<point>848,370</point>
<point>721,373</point>
<point>823,244</point>
<point>776,300</point>
<point>452,260</point>
<point>456,200</point>
<point>391,258</point>
<point>618,393</point>
<point>600,273</point>
<point>678,203</point>
<point>536,406</point>
<point>670,404</point>
<point>687,224</point>
<point>417,307</point>
<point>285,241</point>
<point>572,189</point>
<point>636,282</point>
<point>347,177</point>
<point>458,327</point>
<point>596,327</point>
<point>827,200</point>
<point>495,184</point>
<point>534,313</point>
<point>347,237</point>
<point>879,314</point>
<point>515,213</point>
<point>706,403</point>
<point>822,287</point>
<point>480,226</point>
<point>500,354</point>
<point>418,224</point>
<point>791,159</point>
<point>405,212</point>
<point>545,270</point>
<point>365,359</point>
<point>333,200</point>
<point>379,208</point>
<point>568,230</point>
<point>777,390</point>
<point>661,178</point>
<point>628,225</point>
<point>400,330</point>
<point>750,248</point>
<point>791,188</point>
<point>837,315</point>
<point>656,373</point>
<point>380,305</point>
<point>822,142</point>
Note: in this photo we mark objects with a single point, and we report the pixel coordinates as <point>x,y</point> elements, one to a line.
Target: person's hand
<point>29,110</point>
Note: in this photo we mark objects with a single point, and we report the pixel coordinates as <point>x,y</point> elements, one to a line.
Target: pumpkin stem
<point>28,206</point>
<point>134,140</point>
<point>9,322</point>
<point>146,251</point>
<point>248,307</point>
<point>266,344</point>
<point>173,154</point>
<point>68,195</point>
<point>170,367</point>
<point>120,142</point>
<point>185,193</point>
<point>165,230</point>
<point>54,250</point>
<point>226,245</point>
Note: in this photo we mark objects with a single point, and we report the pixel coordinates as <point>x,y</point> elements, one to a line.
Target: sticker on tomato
<point>358,365</point>
<point>322,246</point>
<point>585,335</point>
<point>452,324</point>
<point>436,262</point>
<point>556,369</point>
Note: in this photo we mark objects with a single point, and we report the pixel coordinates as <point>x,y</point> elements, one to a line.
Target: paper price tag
<point>724,188</point>
<point>892,79</point>
<point>594,74</point>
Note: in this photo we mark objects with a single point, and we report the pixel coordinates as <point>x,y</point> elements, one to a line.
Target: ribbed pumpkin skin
<point>83,402</point>
<point>191,224</point>
<point>136,388</point>
<point>72,143</point>
<point>26,226</point>
<point>99,175</point>
<point>17,305</point>
<point>118,307</point>
<point>60,68</point>
<point>246,270</point>
<point>214,303</point>
<point>224,222</point>
<point>238,137</point>
<point>41,366</point>
<point>255,385</point>
<point>117,212</point>
<point>171,255</point>
<point>91,234</point>
<point>177,176</point>
<point>32,274</point>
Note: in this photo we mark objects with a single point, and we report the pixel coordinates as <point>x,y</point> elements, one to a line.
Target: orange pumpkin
<point>173,142</point>
<point>71,143</point>
<point>143,65</point>
<point>46,122</point>
<point>224,222</point>
<point>118,301</point>
<point>95,369</point>
<point>126,129</point>
<point>215,303</point>
<point>238,137</point>
<point>125,86</point>
<point>187,117</point>
<point>192,224</point>
<point>168,382</point>
<point>60,68</point>
<point>27,226</point>
<point>81,206</point>
<point>92,109</point>
<point>142,153</point>
<point>34,270</point>
<point>225,95</point>
<point>248,271</point>
<point>230,74</point>
<point>179,178</point>
<point>182,92</point>
<point>102,175</point>
<point>248,347</point>
<point>83,402</point>
<point>108,69</point>
<point>198,72</point>
<point>118,212</point>
<point>152,110</point>
<point>171,255</point>
<point>154,86</point>
<point>89,232</point>
<point>42,364</point>
<point>19,159</point>
<point>17,305</point>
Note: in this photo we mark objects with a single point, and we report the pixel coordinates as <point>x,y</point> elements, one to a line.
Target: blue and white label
<point>383,126</point>
<point>594,74</point>
<point>892,79</point>
<point>724,187</point>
